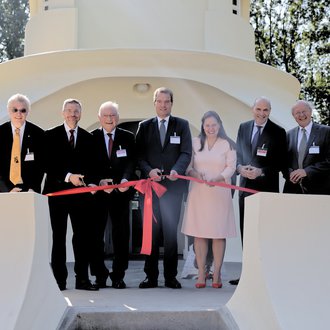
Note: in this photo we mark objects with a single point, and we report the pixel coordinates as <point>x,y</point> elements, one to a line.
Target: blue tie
<point>162,131</point>
<point>255,139</point>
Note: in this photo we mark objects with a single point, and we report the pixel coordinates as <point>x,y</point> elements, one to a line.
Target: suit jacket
<point>273,138</point>
<point>171,156</point>
<point>116,168</point>
<point>32,167</point>
<point>61,159</point>
<point>316,162</point>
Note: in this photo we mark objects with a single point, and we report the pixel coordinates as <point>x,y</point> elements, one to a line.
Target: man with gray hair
<point>115,159</point>
<point>308,154</point>
<point>21,149</point>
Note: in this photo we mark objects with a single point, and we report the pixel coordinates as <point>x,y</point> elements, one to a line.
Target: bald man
<point>261,154</point>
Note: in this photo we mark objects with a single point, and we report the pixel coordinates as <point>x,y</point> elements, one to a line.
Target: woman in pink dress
<point>209,212</point>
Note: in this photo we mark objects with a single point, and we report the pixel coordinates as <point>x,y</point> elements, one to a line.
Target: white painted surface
<point>30,298</point>
<point>286,246</point>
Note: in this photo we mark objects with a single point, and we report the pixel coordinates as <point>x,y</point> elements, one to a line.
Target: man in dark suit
<point>115,149</point>
<point>261,155</point>
<point>29,160</point>
<point>69,164</point>
<point>164,148</point>
<point>310,173</point>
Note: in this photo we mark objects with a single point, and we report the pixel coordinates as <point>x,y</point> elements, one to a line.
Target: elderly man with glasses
<point>21,149</point>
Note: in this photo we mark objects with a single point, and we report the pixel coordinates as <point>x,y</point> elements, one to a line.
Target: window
<point>236,7</point>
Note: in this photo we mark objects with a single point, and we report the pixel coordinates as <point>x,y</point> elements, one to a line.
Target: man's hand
<point>171,177</point>
<point>156,174</point>
<point>16,189</point>
<point>124,188</point>
<point>297,175</point>
<point>106,182</point>
<point>92,185</point>
<point>77,180</point>
<point>250,172</point>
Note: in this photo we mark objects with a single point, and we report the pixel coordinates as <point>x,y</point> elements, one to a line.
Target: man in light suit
<point>312,176</point>
<point>113,167</point>
<point>70,164</point>
<point>261,155</point>
<point>31,148</point>
<point>164,148</point>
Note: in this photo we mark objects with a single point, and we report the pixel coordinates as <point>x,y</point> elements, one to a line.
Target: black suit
<point>166,209</point>
<point>62,159</point>
<point>273,138</point>
<point>316,162</point>
<point>116,204</point>
<point>32,169</point>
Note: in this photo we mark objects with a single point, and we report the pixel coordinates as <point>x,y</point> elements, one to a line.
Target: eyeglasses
<point>18,110</point>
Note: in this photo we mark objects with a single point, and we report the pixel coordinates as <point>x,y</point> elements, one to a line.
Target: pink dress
<point>209,211</point>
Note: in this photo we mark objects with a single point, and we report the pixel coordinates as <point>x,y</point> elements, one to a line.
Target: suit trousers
<point>166,211</point>
<point>115,205</point>
<point>78,208</point>
<point>241,203</point>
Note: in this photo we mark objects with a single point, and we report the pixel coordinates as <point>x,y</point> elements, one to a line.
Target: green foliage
<point>13,17</point>
<point>294,35</point>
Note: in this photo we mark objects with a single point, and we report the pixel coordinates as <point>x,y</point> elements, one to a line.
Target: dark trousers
<point>241,203</point>
<point>115,205</point>
<point>166,211</point>
<point>78,208</point>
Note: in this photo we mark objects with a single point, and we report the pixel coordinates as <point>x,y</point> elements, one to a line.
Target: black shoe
<point>101,283</point>
<point>173,284</point>
<point>234,282</point>
<point>62,286</point>
<point>86,285</point>
<point>120,284</point>
<point>148,284</point>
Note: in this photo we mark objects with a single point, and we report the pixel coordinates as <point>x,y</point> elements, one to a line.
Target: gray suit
<point>316,162</point>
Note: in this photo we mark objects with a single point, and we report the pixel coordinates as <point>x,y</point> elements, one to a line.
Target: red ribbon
<point>146,186</point>
<point>218,184</point>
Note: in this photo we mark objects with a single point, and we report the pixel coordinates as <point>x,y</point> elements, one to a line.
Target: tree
<point>294,36</point>
<point>13,18</point>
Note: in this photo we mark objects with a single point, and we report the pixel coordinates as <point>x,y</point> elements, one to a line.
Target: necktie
<point>15,161</point>
<point>110,144</point>
<point>71,140</point>
<point>162,131</point>
<point>302,148</point>
<point>255,139</point>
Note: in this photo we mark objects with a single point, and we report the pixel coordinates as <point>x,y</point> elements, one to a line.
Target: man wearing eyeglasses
<point>308,153</point>
<point>21,149</point>
<point>70,164</point>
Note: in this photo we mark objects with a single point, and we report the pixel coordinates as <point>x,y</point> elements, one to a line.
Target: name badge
<point>175,139</point>
<point>262,151</point>
<point>314,150</point>
<point>121,153</point>
<point>29,157</point>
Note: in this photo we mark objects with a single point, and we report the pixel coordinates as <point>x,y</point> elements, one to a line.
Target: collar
<point>67,128</point>
<point>113,132</point>
<point>308,128</point>
<point>166,119</point>
<point>21,129</point>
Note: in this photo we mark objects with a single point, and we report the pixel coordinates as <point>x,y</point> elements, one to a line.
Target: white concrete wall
<point>285,277</point>
<point>162,24</point>
<point>28,288</point>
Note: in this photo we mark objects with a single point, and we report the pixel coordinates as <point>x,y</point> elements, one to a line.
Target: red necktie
<point>110,144</point>
<point>71,140</point>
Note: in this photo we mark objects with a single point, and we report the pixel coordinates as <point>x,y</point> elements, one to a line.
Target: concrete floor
<point>97,309</point>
